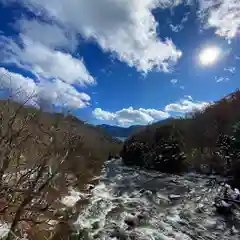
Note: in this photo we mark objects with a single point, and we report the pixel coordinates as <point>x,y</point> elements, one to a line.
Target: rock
<point>119,234</point>
<point>97,236</point>
<point>90,187</point>
<point>131,221</point>
<point>142,191</point>
<point>173,197</point>
<point>82,234</point>
<point>95,225</point>
<point>174,181</point>
<point>148,193</point>
<point>141,216</point>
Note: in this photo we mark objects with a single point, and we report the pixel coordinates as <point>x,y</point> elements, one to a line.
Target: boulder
<point>90,187</point>
<point>119,234</point>
<point>132,221</point>
<point>95,225</point>
<point>142,216</point>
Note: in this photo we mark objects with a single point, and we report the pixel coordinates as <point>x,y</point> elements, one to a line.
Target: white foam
<point>4,230</point>
<point>71,199</point>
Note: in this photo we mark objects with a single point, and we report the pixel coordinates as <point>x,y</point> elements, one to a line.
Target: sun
<point>209,56</point>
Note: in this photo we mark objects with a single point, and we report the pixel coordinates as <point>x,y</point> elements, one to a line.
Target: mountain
<point>123,132</point>
<point>120,132</point>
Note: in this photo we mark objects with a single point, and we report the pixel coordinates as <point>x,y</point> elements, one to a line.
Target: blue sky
<point>120,62</point>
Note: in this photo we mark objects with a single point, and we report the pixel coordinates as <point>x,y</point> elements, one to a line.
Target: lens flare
<point>209,56</point>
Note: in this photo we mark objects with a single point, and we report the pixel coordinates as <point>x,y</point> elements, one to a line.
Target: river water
<point>125,193</point>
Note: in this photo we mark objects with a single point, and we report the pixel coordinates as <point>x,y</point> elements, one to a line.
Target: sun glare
<point>209,56</point>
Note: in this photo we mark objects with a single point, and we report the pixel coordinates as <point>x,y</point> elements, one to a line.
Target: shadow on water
<point>170,207</point>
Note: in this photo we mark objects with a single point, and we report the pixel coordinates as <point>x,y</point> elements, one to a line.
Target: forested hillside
<point>204,141</point>
<point>43,156</point>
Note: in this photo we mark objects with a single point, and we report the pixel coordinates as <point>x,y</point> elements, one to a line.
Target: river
<point>144,198</point>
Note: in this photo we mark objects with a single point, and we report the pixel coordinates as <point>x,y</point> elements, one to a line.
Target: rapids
<point>171,207</point>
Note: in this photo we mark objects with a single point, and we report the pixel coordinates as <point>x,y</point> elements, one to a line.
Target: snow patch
<point>71,199</point>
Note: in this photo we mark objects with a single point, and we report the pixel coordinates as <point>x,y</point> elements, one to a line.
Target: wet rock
<point>115,231</point>
<point>142,216</point>
<point>148,193</point>
<point>224,210</point>
<point>142,191</point>
<point>95,225</point>
<point>119,234</point>
<point>90,187</point>
<point>174,181</point>
<point>131,221</point>
<point>97,236</point>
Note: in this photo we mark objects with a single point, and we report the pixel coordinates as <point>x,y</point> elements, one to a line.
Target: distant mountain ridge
<point>125,132</point>
<point>120,132</point>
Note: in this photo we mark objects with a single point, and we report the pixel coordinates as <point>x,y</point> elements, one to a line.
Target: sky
<point>119,62</point>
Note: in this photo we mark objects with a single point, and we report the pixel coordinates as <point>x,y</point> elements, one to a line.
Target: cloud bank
<point>125,28</point>
<point>55,93</point>
<point>130,116</point>
<point>223,15</point>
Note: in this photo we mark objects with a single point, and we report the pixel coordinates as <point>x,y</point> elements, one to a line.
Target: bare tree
<point>33,154</point>
<point>41,154</point>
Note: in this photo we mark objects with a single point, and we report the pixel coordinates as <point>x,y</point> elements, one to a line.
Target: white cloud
<point>185,106</point>
<point>45,62</point>
<point>54,92</point>
<point>221,79</point>
<point>127,28</point>
<point>174,81</point>
<point>47,34</point>
<point>63,95</point>
<point>176,28</point>
<point>230,69</point>
<point>179,27</point>
<point>224,15</point>
<point>130,116</point>
<point>155,114</point>
<point>103,115</point>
